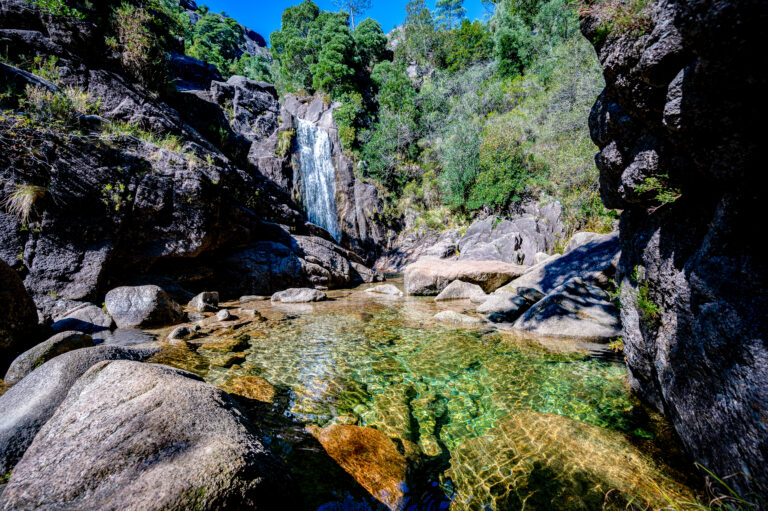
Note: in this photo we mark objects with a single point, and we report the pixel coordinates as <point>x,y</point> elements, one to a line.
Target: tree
<point>353,7</point>
<point>216,39</point>
<point>292,47</point>
<point>450,12</point>
<point>419,35</point>
<point>371,42</point>
<point>334,70</point>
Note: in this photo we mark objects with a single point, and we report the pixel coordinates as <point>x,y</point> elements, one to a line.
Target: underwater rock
<point>142,306</point>
<point>370,457</point>
<point>537,460</point>
<point>180,332</point>
<point>132,435</point>
<point>385,289</point>
<point>58,344</point>
<point>251,387</point>
<point>430,277</point>
<point>455,317</point>
<point>299,295</point>
<point>459,289</point>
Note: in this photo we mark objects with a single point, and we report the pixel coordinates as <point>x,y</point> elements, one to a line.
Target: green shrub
<point>141,49</point>
<point>57,8</point>
<point>659,186</point>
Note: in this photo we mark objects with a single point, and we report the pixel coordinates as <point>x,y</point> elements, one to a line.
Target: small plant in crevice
<point>649,310</point>
<point>616,345</point>
<point>115,196</point>
<point>20,202</point>
<point>664,192</point>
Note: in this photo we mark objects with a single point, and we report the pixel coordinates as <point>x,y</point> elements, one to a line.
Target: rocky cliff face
<point>118,201</point>
<point>679,126</point>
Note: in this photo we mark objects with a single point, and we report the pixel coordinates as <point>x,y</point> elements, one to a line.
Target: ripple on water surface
<point>486,422</point>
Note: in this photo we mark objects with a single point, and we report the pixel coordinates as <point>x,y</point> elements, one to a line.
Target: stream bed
<point>466,417</point>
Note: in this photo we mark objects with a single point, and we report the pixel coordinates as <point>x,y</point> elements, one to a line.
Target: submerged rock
<point>299,295</point>
<point>143,436</point>
<point>455,317</point>
<point>207,301</point>
<point>18,316</point>
<point>536,460</point>
<point>459,289</point>
<point>430,277</point>
<point>142,306</point>
<point>31,402</point>
<point>370,457</point>
<point>251,387</point>
<point>385,289</point>
<point>180,332</point>
<point>43,352</point>
<point>574,310</point>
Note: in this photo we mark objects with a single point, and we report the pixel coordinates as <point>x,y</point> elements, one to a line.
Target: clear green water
<point>384,364</point>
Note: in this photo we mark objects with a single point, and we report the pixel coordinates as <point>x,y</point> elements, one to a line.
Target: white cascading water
<point>318,177</point>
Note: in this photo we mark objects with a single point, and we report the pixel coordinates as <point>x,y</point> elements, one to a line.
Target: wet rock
<point>253,298</point>
<point>43,352</point>
<point>385,289</point>
<point>547,461</point>
<point>18,316</point>
<point>507,305</point>
<point>574,310</point>
<point>430,277</point>
<point>458,290</point>
<point>251,387</point>
<point>142,306</point>
<point>456,318</point>
<point>31,402</point>
<point>223,315</point>
<point>593,261</point>
<point>144,436</point>
<point>370,457</point>
<point>207,301</point>
<point>86,318</point>
<point>180,333</point>
<point>299,295</point>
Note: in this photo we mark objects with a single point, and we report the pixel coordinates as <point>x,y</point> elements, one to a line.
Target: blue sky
<point>263,16</point>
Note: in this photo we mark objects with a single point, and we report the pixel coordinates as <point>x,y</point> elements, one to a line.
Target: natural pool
<point>477,418</point>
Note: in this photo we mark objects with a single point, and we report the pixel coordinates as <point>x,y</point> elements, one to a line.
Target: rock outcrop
<point>18,316</point>
<point>131,435</point>
<point>159,188</point>
<point>681,153</point>
<point>142,306</point>
<point>57,345</point>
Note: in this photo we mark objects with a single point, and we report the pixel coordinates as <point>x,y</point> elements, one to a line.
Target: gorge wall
<point>680,126</point>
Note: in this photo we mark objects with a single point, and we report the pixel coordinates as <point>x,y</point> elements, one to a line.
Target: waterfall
<point>318,177</point>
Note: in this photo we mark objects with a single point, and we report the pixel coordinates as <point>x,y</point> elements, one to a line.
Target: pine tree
<point>450,12</point>
<point>353,8</point>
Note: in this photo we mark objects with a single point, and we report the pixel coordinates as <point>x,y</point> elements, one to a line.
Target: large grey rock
<point>671,95</point>
<point>430,277</point>
<point>579,239</point>
<point>414,244</point>
<point>299,295</point>
<point>143,436</point>
<point>142,306</point>
<point>18,316</point>
<point>43,352</point>
<point>575,310</point>
<point>26,406</point>
<point>514,240</point>
<point>508,305</point>
<point>459,289</point>
<point>85,317</point>
<point>594,261</point>
<point>207,301</point>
